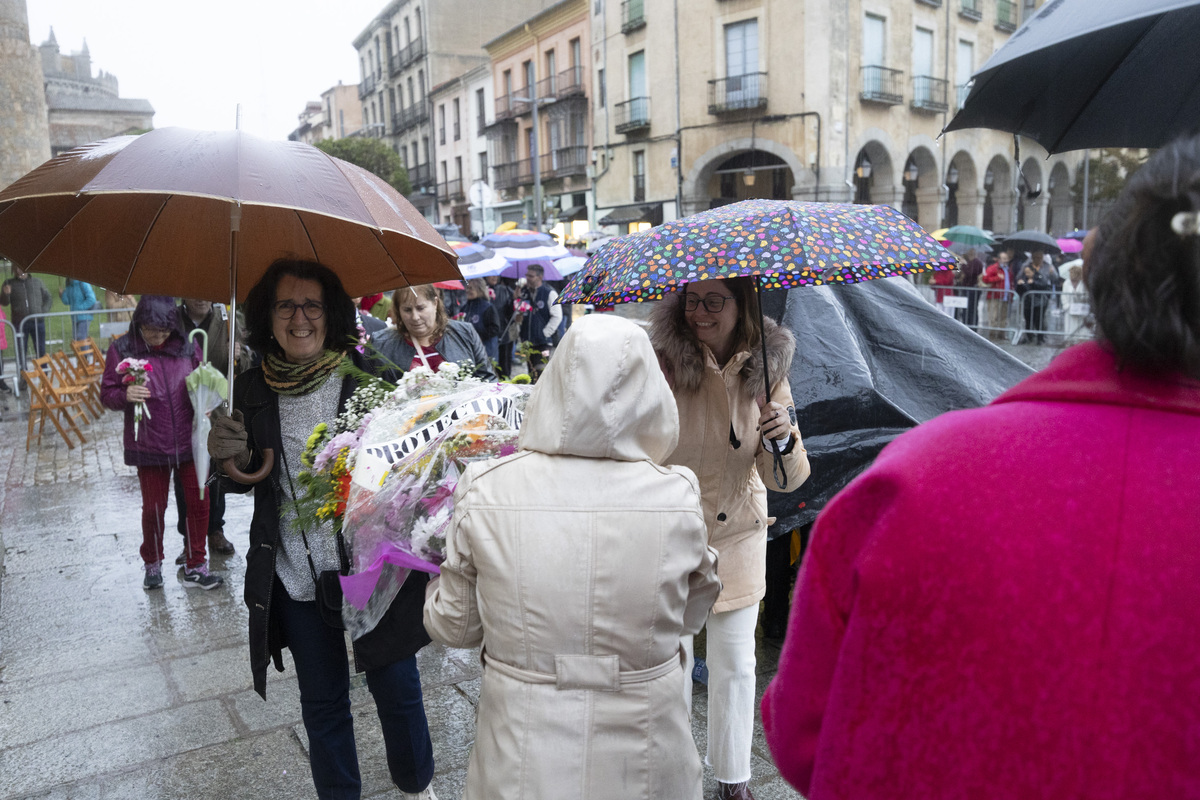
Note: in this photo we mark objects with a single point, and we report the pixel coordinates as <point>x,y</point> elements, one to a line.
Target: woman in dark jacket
<point>161,439</point>
<point>426,336</point>
<point>482,316</point>
<point>303,321</point>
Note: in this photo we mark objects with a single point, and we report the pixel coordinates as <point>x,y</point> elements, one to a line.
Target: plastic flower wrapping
<point>385,473</point>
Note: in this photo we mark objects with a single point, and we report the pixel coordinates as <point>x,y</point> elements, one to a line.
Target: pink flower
<point>442,495</point>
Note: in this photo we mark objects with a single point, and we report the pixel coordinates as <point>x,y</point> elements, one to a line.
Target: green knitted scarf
<point>296,379</point>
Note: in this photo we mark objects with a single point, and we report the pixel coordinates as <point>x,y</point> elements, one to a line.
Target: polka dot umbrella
<point>782,244</point>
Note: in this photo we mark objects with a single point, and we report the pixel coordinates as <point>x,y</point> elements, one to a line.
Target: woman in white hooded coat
<point>578,564</point>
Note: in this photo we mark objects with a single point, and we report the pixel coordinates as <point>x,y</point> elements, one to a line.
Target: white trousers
<point>730,660</point>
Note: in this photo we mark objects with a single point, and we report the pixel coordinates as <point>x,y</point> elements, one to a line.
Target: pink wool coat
<point>1007,603</point>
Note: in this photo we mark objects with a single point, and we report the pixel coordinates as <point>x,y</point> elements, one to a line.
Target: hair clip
<point>1186,223</point>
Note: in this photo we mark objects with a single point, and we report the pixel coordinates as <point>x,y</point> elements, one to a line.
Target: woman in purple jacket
<point>160,439</point>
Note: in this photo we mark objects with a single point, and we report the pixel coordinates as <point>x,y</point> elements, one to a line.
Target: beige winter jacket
<point>718,440</point>
<point>578,563</point>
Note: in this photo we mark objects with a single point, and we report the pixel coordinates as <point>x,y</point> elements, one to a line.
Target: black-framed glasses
<point>286,309</point>
<point>713,303</point>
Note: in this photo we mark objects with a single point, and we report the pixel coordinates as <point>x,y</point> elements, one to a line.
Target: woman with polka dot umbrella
<point>782,244</point>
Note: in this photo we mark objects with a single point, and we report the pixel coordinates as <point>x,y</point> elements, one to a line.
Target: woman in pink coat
<point>1037,635</point>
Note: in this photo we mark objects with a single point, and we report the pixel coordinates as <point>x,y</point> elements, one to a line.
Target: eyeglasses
<point>286,309</point>
<point>713,303</point>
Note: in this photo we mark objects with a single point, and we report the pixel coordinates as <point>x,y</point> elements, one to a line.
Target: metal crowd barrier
<point>1050,317</point>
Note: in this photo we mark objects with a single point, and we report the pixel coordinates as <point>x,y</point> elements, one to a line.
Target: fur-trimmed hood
<point>683,357</point>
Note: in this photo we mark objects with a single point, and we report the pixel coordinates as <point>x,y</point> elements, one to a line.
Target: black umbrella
<point>1093,73</point>
<point>1032,240</point>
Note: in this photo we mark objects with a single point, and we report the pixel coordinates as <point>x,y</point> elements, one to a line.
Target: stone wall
<point>24,128</point>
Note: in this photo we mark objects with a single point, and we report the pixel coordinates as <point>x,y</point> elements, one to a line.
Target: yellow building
<point>699,103</point>
<point>541,76</point>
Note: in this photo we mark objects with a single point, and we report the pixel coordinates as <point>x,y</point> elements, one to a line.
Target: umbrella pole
<point>235,224</point>
<point>776,456</point>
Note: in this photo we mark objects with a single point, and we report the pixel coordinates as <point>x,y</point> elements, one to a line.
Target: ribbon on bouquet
<point>357,588</point>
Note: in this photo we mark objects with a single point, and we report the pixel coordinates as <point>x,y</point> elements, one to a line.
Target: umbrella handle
<point>203,345</point>
<point>230,467</point>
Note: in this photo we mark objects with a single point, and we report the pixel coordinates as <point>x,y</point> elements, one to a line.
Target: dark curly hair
<point>341,318</point>
<point>1144,277</point>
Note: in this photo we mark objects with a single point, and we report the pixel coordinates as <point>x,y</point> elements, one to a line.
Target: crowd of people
<point>1035,282</point>
<point>942,643</point>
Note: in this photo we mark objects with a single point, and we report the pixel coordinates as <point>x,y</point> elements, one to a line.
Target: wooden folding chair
<point>46,401</point>
<point>71,374</point>
<point>88,356</point>
<point>63,382</point>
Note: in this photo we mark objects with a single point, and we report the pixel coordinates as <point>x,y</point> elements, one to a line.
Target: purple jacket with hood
<point>165,436</point>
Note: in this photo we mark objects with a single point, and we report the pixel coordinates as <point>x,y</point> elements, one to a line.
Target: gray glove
<point>227,438</point>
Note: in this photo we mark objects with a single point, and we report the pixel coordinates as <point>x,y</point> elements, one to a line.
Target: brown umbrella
<point>204,213</point>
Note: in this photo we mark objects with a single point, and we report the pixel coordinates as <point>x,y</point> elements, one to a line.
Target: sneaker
<point>153,579</point>
<point>181,559</point>
<point>425,794</point>
<point>4,387</point>
<point>201,578</point>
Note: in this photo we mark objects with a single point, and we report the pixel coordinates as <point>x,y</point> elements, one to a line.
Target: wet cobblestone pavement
<point>110,691</point>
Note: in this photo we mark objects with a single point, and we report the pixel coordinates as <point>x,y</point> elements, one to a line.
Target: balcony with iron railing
<point>409,117</point>
<point>570,82</point>
<point>632,115</point>
<point>971,9</point>
<point>737,93</point>
<point>633,15</point>
<point>929,94</point>
<point>514,173</point>
<point>1007,16</point>
<point>881,85</point>
<point>568,161</point>
<point>366,86</point>
<point>410,53</point>
<point>421,175</point>
<point>507,107</point>
<point>934,3</point>
<point>451,191</point>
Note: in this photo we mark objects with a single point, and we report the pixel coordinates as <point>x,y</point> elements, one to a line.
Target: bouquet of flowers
<point>385,474</point>
<point>136,371</point>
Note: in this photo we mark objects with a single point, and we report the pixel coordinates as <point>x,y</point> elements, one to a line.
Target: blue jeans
<point>81,328</point>
<point>323,673</point>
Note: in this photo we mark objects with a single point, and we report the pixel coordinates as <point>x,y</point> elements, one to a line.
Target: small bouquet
<point>136,371</point>
<point>385,474</point>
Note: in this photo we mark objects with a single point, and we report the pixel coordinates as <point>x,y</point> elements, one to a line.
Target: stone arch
<point>878,185</point>
<point>1060,213</point>
<point>964,197</point>
<point>998,195</point>
<point>696,192</point>
<point>923,192</point>
<point>1031,201</point>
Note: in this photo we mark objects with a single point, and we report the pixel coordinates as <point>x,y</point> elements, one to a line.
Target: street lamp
<point>537,164</point>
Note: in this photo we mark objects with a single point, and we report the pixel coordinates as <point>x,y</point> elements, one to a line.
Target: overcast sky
<point>195,62</point>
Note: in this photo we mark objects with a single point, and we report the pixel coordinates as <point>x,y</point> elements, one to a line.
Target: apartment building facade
<point>336,115</point>
<point>407,49</point>
<point>699,103</point>
<point>540,136</point>
<point>460,122</point>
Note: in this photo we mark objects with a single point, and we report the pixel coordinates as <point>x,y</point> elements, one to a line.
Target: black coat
<point>401,632</point>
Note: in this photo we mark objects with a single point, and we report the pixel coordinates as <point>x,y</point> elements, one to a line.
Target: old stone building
<point>83,108</point>
<point>24,129</point>
<point>701,103</point>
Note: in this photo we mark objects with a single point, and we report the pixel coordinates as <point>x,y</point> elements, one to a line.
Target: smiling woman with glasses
<point>709,345</point>
<point>276,407</point>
